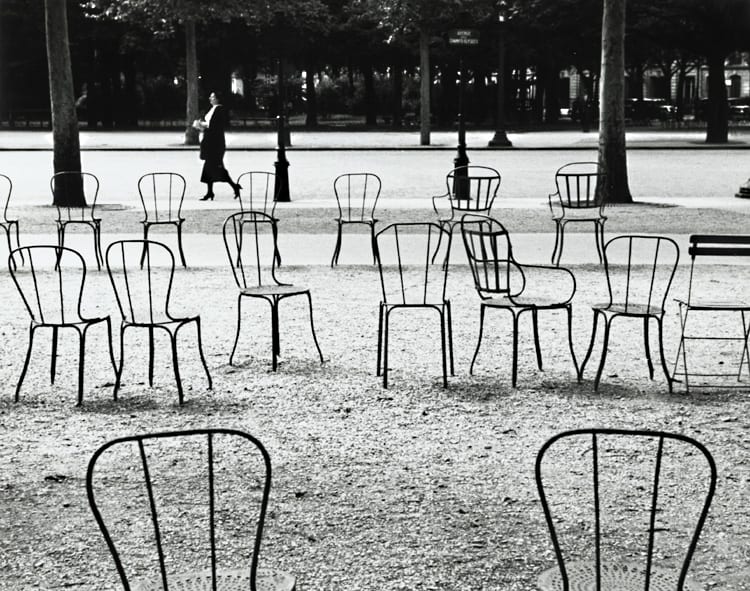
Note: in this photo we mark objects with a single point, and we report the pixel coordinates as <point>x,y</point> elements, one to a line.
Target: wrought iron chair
<point>196,498</point>
<point>258,193</point>
<point>639,273</point>
<point>657,476</point>
<point>410,282</point>
<point>50,280</point>
<point>470,189</point>
<point>504,284</point>
<point>250,241</point>
<point>576,200</point>
<point>72,187</point>
<point>708,295</point>
<point>161,195</point>
<point>143,296</point>
<point>356,196</point>
<point>9,225</point>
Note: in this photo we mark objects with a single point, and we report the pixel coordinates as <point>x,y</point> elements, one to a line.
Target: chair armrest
<point>555,205</point>
<point>439,209</point>
<point>538,281</point>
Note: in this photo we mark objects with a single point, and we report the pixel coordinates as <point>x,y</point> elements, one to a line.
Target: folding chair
<point>258,192</point>
<point>50,280</point>
<point>8,225</point>
<point>639,273</point>
<point>143,297</point>
<point>161,195</point>
<point>191,504</point>
<point>576,200</point>
<point>250,241</point>
<point>624,508</point>
<point>72,187</point>
<point>410,282</point>
<point>716,298</point>
<point>356,196</point>
<point>503,283</point>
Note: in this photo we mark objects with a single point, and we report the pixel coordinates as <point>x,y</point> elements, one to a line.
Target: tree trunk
<point>371,107</point>
<point>191,79</point>
<point>424,86</point>
<point>612,152</point>
<point>66,143</point>
<point>717,116</point>
<point>311,117</point>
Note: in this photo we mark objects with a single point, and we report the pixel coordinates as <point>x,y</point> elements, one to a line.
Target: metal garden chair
<point>161,195</point>
<point>50,280</point>
<point>639,273</point>
<point>706,295</point>
<point>648,498</point>
<point>196,503</point>
<point>143,293</point>
<point>356,196</point>
<point>258,193</point>
<point>410,282</point>
<point>70,186</point>
<point>9,225</point>
<point>576,200</point>
<point>470,189</point>
<point>250,241</point>
<point>504,284</point>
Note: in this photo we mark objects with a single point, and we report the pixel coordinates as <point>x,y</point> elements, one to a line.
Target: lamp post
<point>281,183</point>
<point>461,158</point>
<point>500,139</point>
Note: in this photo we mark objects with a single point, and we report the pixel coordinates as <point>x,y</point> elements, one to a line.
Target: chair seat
<point>521,302</point>
<point>229,580</point>
<point>578,215</point>
<point>264,290</point>
<point>729,306</point>
<point>623,577</point>
<point>631,309</point>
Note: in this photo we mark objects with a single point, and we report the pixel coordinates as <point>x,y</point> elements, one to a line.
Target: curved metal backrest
<point>405,252</point>
<point>657,474</point>
<point>472,189</point>
<point>640,269</point>
<point>50,280</point>
<point>162,194</point>
<point>154,488</point>
<point>6,188</point>
<point>250,242</point>
<point>74,185</point>
<point>490,255</point>
<point>357,195</point>
<point>726,246</point>
<point>576,184</point>
<point>141,273</point>
<point>258,191</point>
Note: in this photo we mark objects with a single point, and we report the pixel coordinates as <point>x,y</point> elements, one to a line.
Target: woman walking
<point>213,146</point>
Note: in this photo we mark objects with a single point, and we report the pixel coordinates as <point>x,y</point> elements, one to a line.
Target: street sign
<point>463,37</point>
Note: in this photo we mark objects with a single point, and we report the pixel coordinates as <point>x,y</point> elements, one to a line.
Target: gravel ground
<point>414,487</point>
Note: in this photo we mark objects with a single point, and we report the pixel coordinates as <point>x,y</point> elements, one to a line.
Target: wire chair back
<point>576,185</point>
<point>6,188</point>
<point>74,187</point>
<point>142,290</point>
<point>472,189</point>
<point>50,280</point>
<point>707,246</point>
<point>357,195</point>
<point>405,252</point>
<point>640,270</point>
<point>250,242</point>
<point>162,194</point>
<point>643,488</point>
<point>196,497</point>
<point>258,192</point>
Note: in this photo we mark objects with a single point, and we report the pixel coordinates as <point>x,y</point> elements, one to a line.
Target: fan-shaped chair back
<point>74,187</point>
<point>162,194</point>
<point>258,192</point>
<point>576,184</point>
<point>357,195</point>
<point>250,241</point>
<point>472,189</point>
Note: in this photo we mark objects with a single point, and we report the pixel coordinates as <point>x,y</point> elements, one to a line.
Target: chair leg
<point>607,322</point>
<point>26,362</point>
<point>151,356</point>
<point>535,326</point>
<point>385,347</point>
<point>175,365</point>
<point>237,335</point>
<point>200,352</point>
<point>276,253</point>
<point>98,246</point>
<point>479,340</point>
<point>443,352</point>
<point>514,373</point>
<point>179,244</point>
<point>599,230</point>
<point>557,242</point>
<point>145,246</point>
<point>561,230</point>
<point>53,359</point>
<point>591,346</point>
<point>450,336</point>
<point>745,350</point>
<point>439,242</point>
<point>81,362</point>
<point>648,349</point>
<point>312,327</point>
<point>274,332</point>
<point>337,247</point>
<point>374,244</point>
<point>111,348</point>
<point>661,354</point>
<point>18,241</point>
<point>118,373</point>
<point>569,312</point>
<point>380,336</point>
